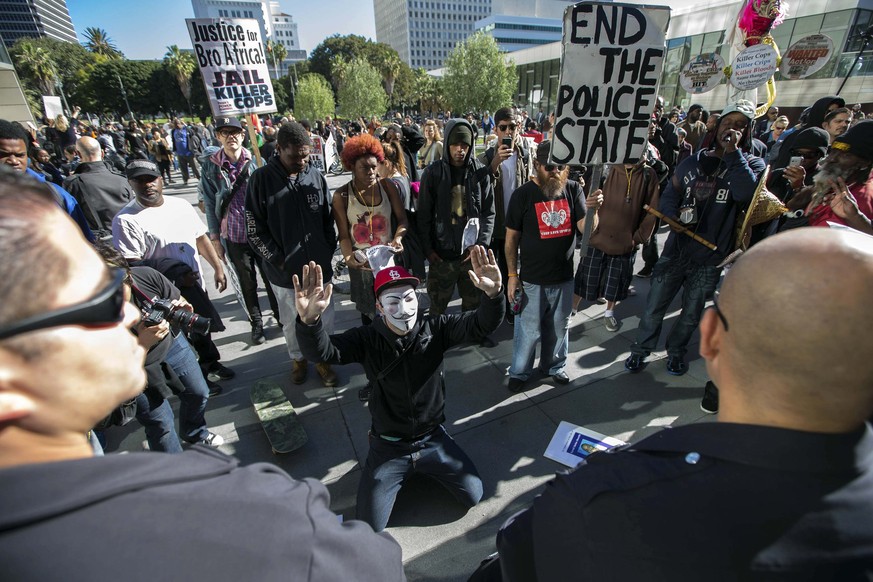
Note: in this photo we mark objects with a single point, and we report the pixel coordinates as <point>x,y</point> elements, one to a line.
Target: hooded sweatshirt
<point>439,229</point>
<point>816,117</point>
<point>290,221</point>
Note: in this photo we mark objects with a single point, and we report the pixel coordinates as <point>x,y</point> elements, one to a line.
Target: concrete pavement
<point>505,434</point>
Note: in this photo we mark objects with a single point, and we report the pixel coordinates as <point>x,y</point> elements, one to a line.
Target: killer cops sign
<point>231,58</point>
<point>611,66</point>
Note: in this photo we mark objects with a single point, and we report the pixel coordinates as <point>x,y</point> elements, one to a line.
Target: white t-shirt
<point>166,231</point>
<point>507,178</point>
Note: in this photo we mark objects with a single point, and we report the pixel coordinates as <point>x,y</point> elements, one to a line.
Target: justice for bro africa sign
<point>231,58</point>
<point>611,65</point>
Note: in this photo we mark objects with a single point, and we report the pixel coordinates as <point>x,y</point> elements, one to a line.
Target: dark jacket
<point>709,501</point>
<point>142,509</point>
<point>412,141</point>
<point>216,188</point>
<point>735,183</point>
<point>410,400</point>
<point>782,152</point>
<point>290,223</point>
<point>436,231</point>
<point>99,192</point>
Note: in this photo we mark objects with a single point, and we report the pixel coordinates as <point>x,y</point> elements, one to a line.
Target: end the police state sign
<point>613,55</point>
<point>231,58</point>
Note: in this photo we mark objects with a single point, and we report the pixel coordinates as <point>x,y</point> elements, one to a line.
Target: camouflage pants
<point>441,280</point>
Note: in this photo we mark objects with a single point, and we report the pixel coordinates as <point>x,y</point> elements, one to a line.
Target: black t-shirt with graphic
<point>548,231</point>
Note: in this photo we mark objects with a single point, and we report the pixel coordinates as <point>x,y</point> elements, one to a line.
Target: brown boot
<point>299,370</point>
<point>328,376</point>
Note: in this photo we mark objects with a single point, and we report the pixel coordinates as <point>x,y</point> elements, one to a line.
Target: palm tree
<point>181,65</point>
<point>39,66</point>
<point>278,53</point>
<point>389,67</point>
<point>98,42</point>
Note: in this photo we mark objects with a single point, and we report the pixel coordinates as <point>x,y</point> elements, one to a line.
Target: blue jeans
<point>192,402</point>
<point>671,273</point>
<point>390,463</point>
<point>158,422</point>
<point>545,318</point>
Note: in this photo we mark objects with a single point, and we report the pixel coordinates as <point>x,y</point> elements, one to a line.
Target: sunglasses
<point>809,155</point>
<point>105,308</point>
<point>552,167</point>
<point>510,127</point>
<point>718,312</point>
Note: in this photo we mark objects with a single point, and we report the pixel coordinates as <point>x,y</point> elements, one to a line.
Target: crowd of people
<point>499,225</point>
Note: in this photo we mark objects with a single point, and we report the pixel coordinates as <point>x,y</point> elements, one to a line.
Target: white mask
<point>400,307</point>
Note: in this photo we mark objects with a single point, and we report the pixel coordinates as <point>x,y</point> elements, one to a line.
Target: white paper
<point>379,257</point>
<point>471,234</point>
<point>572,444</point>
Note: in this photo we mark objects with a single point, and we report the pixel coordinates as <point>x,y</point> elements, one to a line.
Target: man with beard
<point>836,122</point>
<point>541,222</point>
<point>843,189</point>
<point>704,195</point>
<point>693,126</point>
<point>402,356</point>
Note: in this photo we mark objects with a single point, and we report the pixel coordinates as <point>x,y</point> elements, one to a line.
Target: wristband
<point>512,274</point>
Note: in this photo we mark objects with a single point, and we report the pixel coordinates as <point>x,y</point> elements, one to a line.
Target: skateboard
<point>278,417</point>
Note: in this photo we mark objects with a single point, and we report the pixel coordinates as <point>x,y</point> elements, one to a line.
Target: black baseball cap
<point>140,168</point>
<point>222,122</point>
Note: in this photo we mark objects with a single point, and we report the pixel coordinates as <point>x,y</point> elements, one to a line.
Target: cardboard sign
<point>703,73</point>
<point>52,106</point>
<point>753,67</point>
<point>807,56</point>
<point>610,71</point>
<point>231,58</point>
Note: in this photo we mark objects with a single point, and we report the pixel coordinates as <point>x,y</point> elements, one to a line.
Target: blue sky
<point>143,29</point>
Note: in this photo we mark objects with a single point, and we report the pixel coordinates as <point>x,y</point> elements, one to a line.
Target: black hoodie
<point>435,228</point>
<point>289,222</point>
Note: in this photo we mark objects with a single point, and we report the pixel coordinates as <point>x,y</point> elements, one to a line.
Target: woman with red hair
<point>363,210</point>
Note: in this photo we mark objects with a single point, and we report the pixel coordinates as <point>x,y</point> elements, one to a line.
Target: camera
<point>158,310</point>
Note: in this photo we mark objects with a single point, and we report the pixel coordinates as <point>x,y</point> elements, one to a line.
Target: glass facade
<point>538,84</point>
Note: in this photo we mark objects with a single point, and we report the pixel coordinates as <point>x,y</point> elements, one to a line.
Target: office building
<point>275,25</point>
<point>35,19</point>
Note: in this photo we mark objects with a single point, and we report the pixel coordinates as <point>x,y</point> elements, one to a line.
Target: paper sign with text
<point>613,55</point>
<point>230,54</point>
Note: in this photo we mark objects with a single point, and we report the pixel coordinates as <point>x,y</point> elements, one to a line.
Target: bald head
<point>797,350</point>
<point>89,149</point>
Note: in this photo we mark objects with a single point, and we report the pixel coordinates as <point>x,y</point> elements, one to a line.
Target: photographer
<point>171,366</point>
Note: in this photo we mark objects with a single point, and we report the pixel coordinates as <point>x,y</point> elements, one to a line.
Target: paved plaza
<point>505,434</point>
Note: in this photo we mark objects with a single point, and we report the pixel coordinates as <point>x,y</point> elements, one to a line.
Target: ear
<point>710,336</point>
<point>14,403</point>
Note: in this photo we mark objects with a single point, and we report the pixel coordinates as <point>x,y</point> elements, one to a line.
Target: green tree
<point>386,60</point>
<point>98,42</point>
<point>477,77</point>
<point>182,66</point>
<point>321,59</point>
<point>430,92</point>
<point>361,93</point>
<point>314,98</point>
<point>277,53</point>
<point>35,64</point>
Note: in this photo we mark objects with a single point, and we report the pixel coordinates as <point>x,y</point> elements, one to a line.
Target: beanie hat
<point>858,140</point>
<point>813,138</point>
<point>461,134</point>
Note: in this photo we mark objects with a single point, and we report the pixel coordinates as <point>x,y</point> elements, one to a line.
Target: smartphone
<point>795,160</point>
<point>506,141</point>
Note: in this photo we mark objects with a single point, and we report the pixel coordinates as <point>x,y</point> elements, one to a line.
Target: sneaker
<point>634,363</point>
<point>645,272</point>
<point>328,376</point>
<point>211,440</point>
<point>676,365</point>
<point>515,385</point>
<point>709,402</point>
<point>214,389</point>
<point>612,324</point>
<point>631,291</point>
<point>258,334</point>
<point>299,370</point>
<point>219,372</point>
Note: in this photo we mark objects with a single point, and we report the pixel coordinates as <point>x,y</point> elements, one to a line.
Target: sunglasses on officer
<point>105,308</point>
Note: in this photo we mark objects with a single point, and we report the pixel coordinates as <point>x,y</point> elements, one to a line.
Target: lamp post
<point>124,95</point>
<point>866,36</point>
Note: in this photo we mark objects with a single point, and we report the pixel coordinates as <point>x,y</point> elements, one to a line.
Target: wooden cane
<point>679,228</point>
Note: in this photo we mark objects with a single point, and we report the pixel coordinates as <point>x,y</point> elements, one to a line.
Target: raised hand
<point>311,297</point>
<point>485,274</point>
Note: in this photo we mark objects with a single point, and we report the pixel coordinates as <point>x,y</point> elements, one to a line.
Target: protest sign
<point>52,106</point>
<point>807,56</point>
<point>754,66</point>
<point>316,155</point>
<point>611,66</point>
<point>703,73</point>
<point>230,54</point>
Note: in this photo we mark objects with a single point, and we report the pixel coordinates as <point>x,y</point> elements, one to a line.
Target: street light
<point>124,94</point>
<point>866,36</point>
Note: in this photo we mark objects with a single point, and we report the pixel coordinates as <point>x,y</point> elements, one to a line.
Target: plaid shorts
<point>602,275</point>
